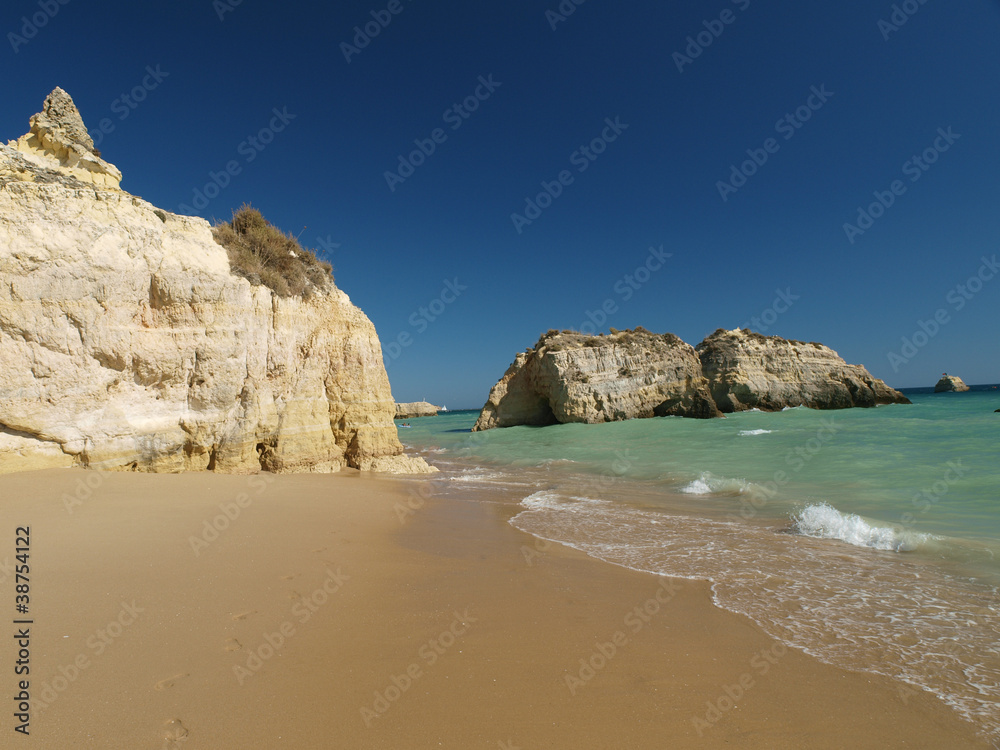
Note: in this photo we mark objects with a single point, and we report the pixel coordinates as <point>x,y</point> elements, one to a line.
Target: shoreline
<point>471,631</point>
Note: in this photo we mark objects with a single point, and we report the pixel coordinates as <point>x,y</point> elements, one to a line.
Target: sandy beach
<point>308,611</point>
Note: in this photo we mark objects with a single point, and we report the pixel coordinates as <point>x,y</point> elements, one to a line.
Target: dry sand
<point>316,598</point>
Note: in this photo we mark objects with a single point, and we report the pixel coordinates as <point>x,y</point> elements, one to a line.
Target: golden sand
<point>202,611</point>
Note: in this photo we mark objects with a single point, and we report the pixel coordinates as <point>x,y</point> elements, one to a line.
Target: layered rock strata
<point>570,377</point>
<point>747,370</point>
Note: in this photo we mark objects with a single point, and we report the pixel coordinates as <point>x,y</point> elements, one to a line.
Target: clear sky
<point>644,126</point>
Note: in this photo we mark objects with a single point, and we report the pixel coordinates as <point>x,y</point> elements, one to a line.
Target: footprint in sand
<point>233,645</point>
<point>244,615</point>
<point>170,681</point>
<point>174,734</point>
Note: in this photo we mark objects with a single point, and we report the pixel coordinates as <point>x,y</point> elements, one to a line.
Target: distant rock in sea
<point>130,344</point>
<point>572,377</point>
<point>416,409</point>
<point>949,383</point>
<point>747,370</point>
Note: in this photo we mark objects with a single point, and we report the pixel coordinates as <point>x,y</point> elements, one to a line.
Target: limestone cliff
<point>58,137</point>
<point>571,377</point>
<point>747,370</point>
<point>415,409</point>
<point>126,342</point>
<point>950,383</point>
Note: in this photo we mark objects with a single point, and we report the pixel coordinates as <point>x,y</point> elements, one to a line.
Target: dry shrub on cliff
<point>263,254</point>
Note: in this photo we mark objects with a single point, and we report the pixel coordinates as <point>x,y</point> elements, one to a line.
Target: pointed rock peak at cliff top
<point>59,113</point>
<point>59,144</point>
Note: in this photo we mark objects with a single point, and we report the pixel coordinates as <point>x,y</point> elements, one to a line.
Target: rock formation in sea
<point>127,342</point>
<point>950,383</point>
<point>572,377</point>
<point>747,370</point>
<point>416,409</point>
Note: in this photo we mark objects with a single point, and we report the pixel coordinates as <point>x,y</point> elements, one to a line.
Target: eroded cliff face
<point>747,370</point>
<point>570,377</point>
<point>127,343</point>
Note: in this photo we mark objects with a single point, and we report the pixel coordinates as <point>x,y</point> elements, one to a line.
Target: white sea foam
<point>848,608</point>
<point>823,521</point>
<point>549,500</point>
<point>709,484</point>
<point>755,432</point>
<point>477,475</point>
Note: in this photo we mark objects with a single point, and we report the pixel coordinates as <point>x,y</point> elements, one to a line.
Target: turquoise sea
<point>869,538</point>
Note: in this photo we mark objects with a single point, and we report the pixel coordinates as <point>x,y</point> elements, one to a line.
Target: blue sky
<point>436,260</point>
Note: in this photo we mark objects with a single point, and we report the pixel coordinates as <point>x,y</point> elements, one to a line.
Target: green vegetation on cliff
<point>263,254</point>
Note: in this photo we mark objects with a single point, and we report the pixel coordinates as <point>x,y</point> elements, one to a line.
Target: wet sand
<point>313,614</point>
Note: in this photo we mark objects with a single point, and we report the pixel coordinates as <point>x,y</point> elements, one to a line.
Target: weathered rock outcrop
<point>950,383</point>
<point>127,343</point>
<point>571,377</point>
<point>415,409</point>
<point>747,370</point>
<point>58,135</point>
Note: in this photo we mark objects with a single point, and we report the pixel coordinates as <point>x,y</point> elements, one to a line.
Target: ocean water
<point>869,538</point>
